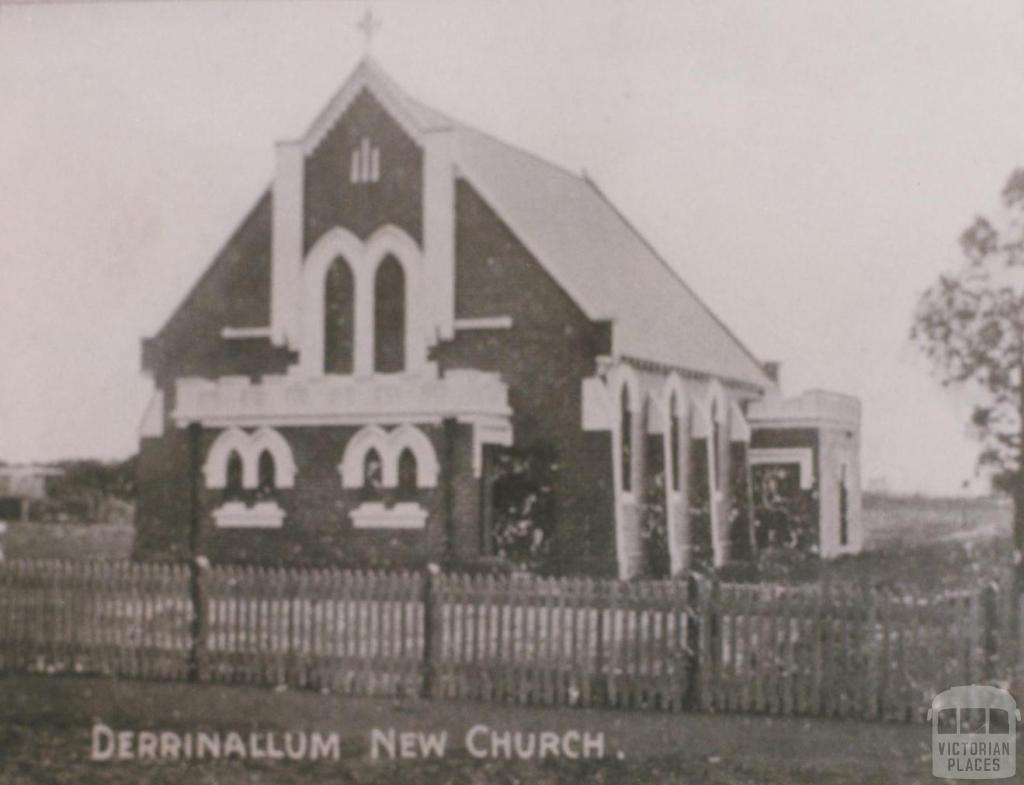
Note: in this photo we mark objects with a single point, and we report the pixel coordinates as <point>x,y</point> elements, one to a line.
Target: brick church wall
<point>544,357</point>
<point>550,348</point>
<point>332,200</point>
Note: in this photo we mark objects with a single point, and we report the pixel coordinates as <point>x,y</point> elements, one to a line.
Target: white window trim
<point>389,446</point>
<point>152,425</point>
<point>803,457</point>
<point>249,448</point>
<point>363,260</point>
<point>623,376</point>
<point>374,515</point>
<point>262,515</point>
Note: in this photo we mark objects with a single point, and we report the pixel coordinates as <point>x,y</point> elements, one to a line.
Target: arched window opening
<point>406,476</point>
<point>233,478</point>
<point>844,509</point>
<point>267,475</point>
<point>626,440</point>
<point>339,319</point>
<point>389,317</point>
<point>674,447</point>
<point>716,448</point>
<point>373,477</point>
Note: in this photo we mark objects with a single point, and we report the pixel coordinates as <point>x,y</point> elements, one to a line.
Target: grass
<point>45,724</point>
<point>71,541</point>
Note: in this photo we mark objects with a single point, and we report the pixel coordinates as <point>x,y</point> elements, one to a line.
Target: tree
<point>970,325</point>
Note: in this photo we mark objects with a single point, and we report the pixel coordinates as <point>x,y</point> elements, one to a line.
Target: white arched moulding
<point>623,379</point>
<point>249,448</point>
<point>671,404</point>
<point>739,428</point>
<point>389,447</point>
<point>363,259</point>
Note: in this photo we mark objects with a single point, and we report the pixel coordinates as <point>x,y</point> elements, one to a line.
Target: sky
<point>807,168</point>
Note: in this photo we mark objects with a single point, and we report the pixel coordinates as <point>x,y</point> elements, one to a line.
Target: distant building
<point>20,485</point>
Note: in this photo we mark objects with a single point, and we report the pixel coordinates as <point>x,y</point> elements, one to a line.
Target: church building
<point>412,301</point>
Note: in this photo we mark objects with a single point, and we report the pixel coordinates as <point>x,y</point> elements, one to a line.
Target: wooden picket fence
<point>841,651</point>
<point>350,632</point>
<point>552,641</point>
<point>685,644</point>
<point>106,618</point>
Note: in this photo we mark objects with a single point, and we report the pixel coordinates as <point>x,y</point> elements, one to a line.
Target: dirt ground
<point>46,735</point>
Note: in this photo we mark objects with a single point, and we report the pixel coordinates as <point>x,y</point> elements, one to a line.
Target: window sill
<point>262,515</point>
<point>374,515</point>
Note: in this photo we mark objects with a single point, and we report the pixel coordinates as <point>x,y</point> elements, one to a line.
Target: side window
<point>373,477</point>
<point>233,483</point>
<point>716,448</point>
<point>844,504</point>
<point>407,476</point>
<point>267,475</point>
<point>626,429</point>
<point>674,446</point>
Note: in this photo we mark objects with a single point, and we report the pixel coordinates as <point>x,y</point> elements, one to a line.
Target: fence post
<point>693,643</point>
<point>199,570</point>
<point>431,629</point>
<point>990,631</point>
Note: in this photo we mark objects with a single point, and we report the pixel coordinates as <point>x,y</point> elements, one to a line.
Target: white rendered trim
<point>389,446</point>
<point>286,241</point>
<point>484,323</point>
<point>152,424</point>
<point>739,428</point>
<point>487,430</point>
<point>241,333</point>
<point>374,515</point>
<point>235,515</point>
<point>596,405</point>
<point>366,76</point>
<point>249,448</point>
<point>279,401</point>
<point>803,457</point>
<point>439,232</point>
<point>363,260</point>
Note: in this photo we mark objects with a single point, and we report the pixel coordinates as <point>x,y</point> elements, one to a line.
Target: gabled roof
<point>581,239</point>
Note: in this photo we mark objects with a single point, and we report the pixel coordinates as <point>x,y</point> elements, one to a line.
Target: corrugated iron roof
<point>590,248</point>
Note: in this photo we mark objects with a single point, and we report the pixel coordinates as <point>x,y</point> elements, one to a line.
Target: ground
<point>45,727</point>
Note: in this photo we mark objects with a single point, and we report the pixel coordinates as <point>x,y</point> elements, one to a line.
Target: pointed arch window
<point>674,442</point>
<point>844,509</point>
<point>267,475</point>
<point>406,476</point>
<point>234,477</point>
<point>626,439</point>
<point>389,317</point>
<point>373,476</point>
<point>339,318</point>
<point>716,448</point>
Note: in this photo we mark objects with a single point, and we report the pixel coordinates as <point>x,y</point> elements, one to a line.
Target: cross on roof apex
<point>369,25</point>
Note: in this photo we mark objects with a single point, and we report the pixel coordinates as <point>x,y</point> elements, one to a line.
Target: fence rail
<point>672,645</point>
